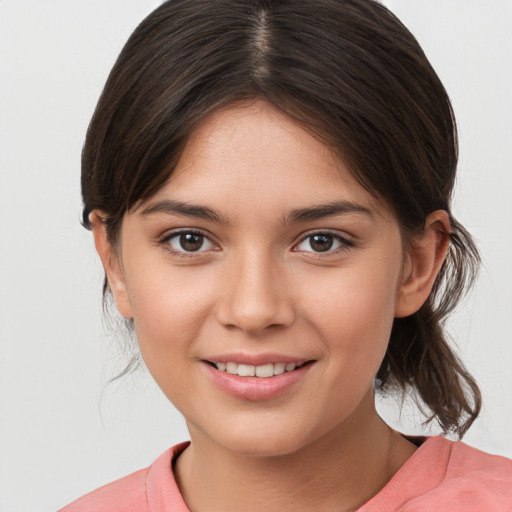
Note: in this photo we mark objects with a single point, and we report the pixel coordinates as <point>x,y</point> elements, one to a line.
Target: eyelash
<point>176,234</point>
<point>344,243</point>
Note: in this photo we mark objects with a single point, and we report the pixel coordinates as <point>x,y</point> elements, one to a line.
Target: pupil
<point>321,243</point>
<point>191,241</point>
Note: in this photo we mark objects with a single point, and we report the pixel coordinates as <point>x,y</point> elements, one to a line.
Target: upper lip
<point>255,359</point>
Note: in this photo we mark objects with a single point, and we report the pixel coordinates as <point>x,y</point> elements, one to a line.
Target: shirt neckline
<point>162,492</point>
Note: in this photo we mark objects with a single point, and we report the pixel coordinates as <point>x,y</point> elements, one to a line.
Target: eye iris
<point>321,243</point>
<point>191,241</point>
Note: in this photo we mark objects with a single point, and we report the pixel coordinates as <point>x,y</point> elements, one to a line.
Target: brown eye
<point>322,242</point>
<point>189,241</point>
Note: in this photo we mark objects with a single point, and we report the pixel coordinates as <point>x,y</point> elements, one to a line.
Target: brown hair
<point>352,75</point>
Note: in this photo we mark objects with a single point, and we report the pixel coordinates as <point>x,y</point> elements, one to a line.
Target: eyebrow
<point>306,214</point>
<point>321,211</point>
<point>188,210</point>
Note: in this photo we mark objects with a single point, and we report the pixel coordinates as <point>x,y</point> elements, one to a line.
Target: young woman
<point>268,183</point>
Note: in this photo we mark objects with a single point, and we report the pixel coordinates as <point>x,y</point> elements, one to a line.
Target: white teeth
<point>279,368</point>
<point>248,370</point>
<point>265,370</point>
<point>231,368</point>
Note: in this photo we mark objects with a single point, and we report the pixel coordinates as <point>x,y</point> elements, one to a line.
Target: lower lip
<point>256,388</point>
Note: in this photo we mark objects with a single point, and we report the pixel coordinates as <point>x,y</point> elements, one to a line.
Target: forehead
<point>256,149</point>
<point>253,158</point>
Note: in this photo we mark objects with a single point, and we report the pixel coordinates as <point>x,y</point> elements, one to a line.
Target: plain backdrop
<point>63,431</point>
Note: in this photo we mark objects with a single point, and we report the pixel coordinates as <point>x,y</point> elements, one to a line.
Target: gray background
<point>62,431</point>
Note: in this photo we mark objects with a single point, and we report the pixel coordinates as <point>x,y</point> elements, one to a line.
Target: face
<point>261,253</point>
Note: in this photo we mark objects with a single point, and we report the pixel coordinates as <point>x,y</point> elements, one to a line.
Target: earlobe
<point>427,253</point>
<point>111,264</point>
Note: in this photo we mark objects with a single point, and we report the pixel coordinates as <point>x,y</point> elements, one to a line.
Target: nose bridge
<point>256,296</point>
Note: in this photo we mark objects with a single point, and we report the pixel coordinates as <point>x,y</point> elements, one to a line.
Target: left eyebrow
<point>184,209</point>
<point>321,211</point>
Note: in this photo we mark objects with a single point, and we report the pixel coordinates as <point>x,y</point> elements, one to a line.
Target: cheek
<point>168,317</point>
<point>354,313</point>
<point>169,309</point>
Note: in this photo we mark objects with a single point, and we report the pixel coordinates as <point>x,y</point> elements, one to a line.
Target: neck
<point>339,471</point>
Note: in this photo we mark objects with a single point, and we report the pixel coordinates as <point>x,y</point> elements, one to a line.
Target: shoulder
<point>469,459</point>
<point>127,493</point>
<point>142,491</point>
<point>479,477</point>
<point>463,479</point>
<point>447,476</point>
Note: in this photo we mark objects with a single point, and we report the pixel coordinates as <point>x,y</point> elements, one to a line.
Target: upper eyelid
<point>169,235</point>
<point>344,237</point>
<point>174,232</point>
<point>346,242</point>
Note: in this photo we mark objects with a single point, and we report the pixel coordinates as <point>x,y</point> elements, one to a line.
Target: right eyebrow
<point>184,209</point>
<point>332,209</point>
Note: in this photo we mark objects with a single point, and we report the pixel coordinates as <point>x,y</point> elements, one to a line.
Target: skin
<point>258,285</point>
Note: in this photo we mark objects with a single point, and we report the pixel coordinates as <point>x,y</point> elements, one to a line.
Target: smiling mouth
<point>262,371</point>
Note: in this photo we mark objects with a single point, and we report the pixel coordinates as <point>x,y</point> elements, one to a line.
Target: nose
<point>255,295</point>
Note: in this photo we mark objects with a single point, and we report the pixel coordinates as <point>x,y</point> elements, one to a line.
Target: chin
<point>264,437</point>
<point>263,446</point>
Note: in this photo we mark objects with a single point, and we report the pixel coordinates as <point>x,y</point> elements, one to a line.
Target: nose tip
<point>256,299</point>
<point>255,320</point>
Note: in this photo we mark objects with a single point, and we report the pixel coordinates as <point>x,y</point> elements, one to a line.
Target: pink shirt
<point>441,476</point>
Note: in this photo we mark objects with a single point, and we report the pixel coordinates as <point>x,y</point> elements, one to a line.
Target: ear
<point>111,264</point>
<point>426,256</point>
